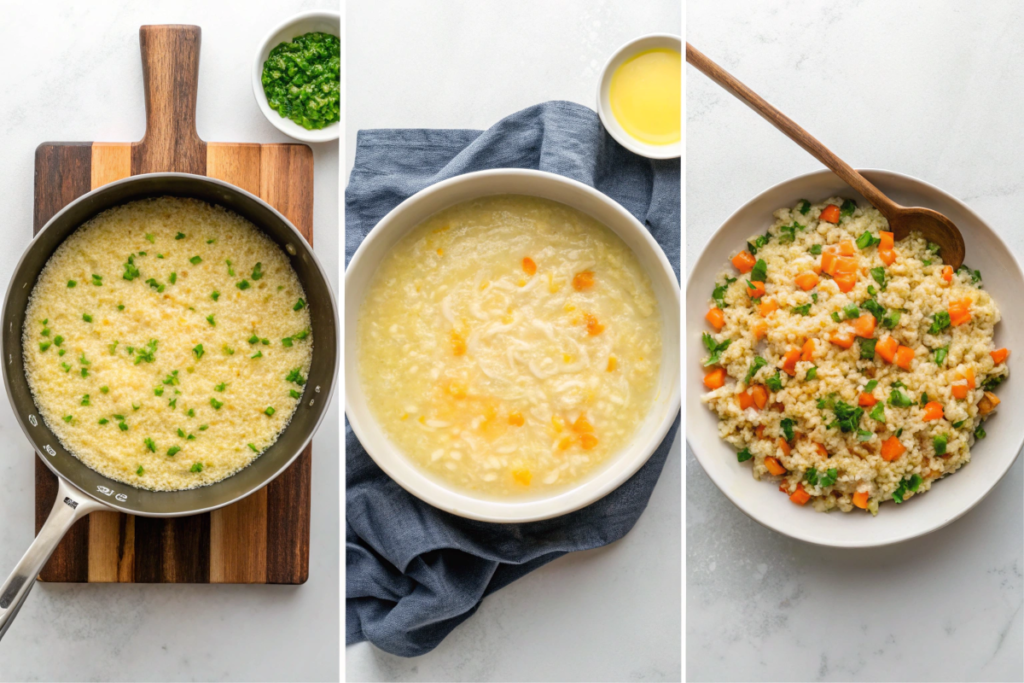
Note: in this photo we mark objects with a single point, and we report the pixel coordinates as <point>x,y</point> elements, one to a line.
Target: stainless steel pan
<point>82,490</point>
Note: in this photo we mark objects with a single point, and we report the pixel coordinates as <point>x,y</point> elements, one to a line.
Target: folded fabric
<point>414,573</point>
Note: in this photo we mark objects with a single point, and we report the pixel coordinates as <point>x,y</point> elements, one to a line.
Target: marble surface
<point>916,87</point>
<point>606,614</point>
<point>74,73</point>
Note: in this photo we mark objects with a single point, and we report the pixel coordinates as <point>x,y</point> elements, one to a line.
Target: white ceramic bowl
<point>604,107</point>
<point>539,184</point>
<point>320,22</point>
<point>949,498</point>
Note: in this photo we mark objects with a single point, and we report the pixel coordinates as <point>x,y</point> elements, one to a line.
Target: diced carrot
<point>588,441</point>
<point>864,326</point>
<point>969,376</point>
<point>755,289</point>
<point>774,466</point>
<point>458,344</point>
<point>522,476</point>
<point>582,425</point>
<point>784,446</point>
<point>885,241</point>
<point>828,262</point>
<point>789,361</point>
<point>887,256</point>
<point>744,261</point>
<point>866,400</point>
<point>959,311</point>
<point>846,248</point>
<point>999,355</point>
<point>932,411</point>
<point>759,393</point>
<point>845,281</point>
<point>892,449</point>
<point>822,451</point>
<point>904,356</point>
<point>766,308</point>
<point>947,273</point>
<point>515,418</point>
<point>847,265</point>
<point>806,281</point>
<point>715,379</point>
<point>816,267</point>
<point>843,338</point>
<point>759,329</point>
<point>887,349</point>
<point>565,444</point>
<point>529,267</point>
<point>716,317</point>
<point>583,280</point>
<point>808,351</point>
<point>830,214</point>
<point>594,328</point>
<point>613,363</point>
<point>860,499</point>
<point>745,400</point>
<point>959,391</point>
<point>988,403</point>
<point>759,430</point>
<point>800,497</point>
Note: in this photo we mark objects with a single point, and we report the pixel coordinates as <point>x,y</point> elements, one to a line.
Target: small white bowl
<point>604,107</point>
<point>300,24</point>
<point>462,188</point>
<point>948,499</point>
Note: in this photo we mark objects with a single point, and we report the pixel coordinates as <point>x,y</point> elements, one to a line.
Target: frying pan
<point>82,490</point>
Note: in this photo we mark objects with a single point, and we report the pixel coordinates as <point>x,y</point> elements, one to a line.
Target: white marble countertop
<point>607,614</point>
<point>73,73</point>
<point>932,90</point>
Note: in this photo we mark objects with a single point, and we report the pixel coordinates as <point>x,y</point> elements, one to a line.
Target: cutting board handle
<point>170,74</point>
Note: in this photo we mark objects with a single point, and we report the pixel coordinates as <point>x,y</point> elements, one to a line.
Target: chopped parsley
<point>71,284</point>
<point>939,443</point>
<point>811,374</point>
<point>835,316</point>
<point>150,444</point>
<point>198,351</point>
<point>898,399</point>
<point>257,272</point>
<point>803,207</point>
<point>231,270</point>
<point>870,386</point>
<point>719,293</point>
<point>878,275</point>
<point>815,250</point>
<point>147,354</point>
<point>892,318</point>
<point>787,425</point>
<point>172,379</point>
<point>215,295</point>
<point>801,310</point>
<point>759,273</point>
<point>286,341</point>
<point>173,278</point>
<point>940,321</point>
<point>221,387</point>
<point>295,394</point>
<point>878,412</point>
<point>180,236</point>
<point>97,280</point>
<point>713,347</point>
<point>196,467</point>
<point>253,448</point>
<point>173,450</point>
<point>45,345</point>
<point>228,351</point>
<point>788,232</point>
<point>156,285</point>
<point>979,433</point>
<point>269,411</point>
<point>295,376</point>
<point>243,285</point>
<point>851,311</point>
<point>210,320</point>
<point>868,240</point>
<point>195,260</point>
<point>939,355</point>
<point>847,416</point>
<point>864,435</point>
<point>912,483</point>
<point>104,421</point>
<point>758,243</point>
<point>848,207</point>
<point>258,354</point>
<point>744,455</point>
<point>299,305</point>
<point>775,382</point>
<point>874,308</point>
<point>993,382</point>
<point>867,348</point>
<point>217,405</point>
<point>965,271</point>
<point>130,271</point>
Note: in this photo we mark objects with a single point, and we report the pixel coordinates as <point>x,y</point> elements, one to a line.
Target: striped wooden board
<point>265,537</point>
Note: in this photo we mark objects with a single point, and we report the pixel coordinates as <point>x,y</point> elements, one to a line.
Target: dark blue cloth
<point>414,573</point>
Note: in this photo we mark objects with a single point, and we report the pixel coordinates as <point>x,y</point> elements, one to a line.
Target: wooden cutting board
<point>265,537</point>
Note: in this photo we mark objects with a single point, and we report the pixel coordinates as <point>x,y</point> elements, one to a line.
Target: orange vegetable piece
<point>847,265</point>
<point>886,242</point>
<point>887,349</point>
<point>860,499</point>
<point>515,418</point>
<point>759,393</point>
<point>583,280</point>
<point>716,317</point>
<point>892,449</point>
<point>830,214</point>
<point>612,363</point>
<point>822,451</point>
<point>959,391</point>
<point>529,267</point>
<point>582,425</point>
<point>828,262</point>
<point>594,328</point>
<point>806,281</point>
<point>766,308</point>
<point>458,344</point>
<point>588,441</point>
<point>759,430</point>
<point>988,403</point>
<point>845,281</point>
<point>789,361</point>
<point>800,497</point>
<point>959,311</point>
<point>887,256</point>
<point>999,355</point>
<point>808,351</point>
<point>522,475</point>
<point>755,289</point>
<point>932,411</point>
<point>947,273</point>
<point>565,444</point>
<point>774,466</point>
<point>784,446</point>
<point>846,248</point>
<point>864,326</point>
<point>715,379</point>
<point>843,338</point>
<point>904,356</point>
<point>969,376</point>
<point>744,261</point>
<point>760,329</point>
<point>745,400</point>
<point>866,400</point>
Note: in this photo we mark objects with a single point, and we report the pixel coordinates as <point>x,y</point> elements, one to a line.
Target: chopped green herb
<point>172,379</point>
<point>68,418</point>
<point>104,421</point>
<point>85,400</point>
<point>173,278</point>
<point>210,320</point>
<point>811,374</point>
<point>759,273</point>
<point>924,399</point>
<point>867,348</point>
<point>195,260</point>
<point>58,340</point>
<point>299,305</point>
<point>719,293</point>
<point>287,341</point>
<point>203,428</point>
<point>123,426</point>
<point>120,307</point>
<point>148,354</point>
<point>965,271</point>
<point>173,450</point>
<point>295,394</point>
<point>158,391</point>
<point>156,285</point>
<point>993,382</point>
<point>900,400</point>
<point>254,449</point>
<point>97,280</point>
<point>231,271</point>
<point>136,406</point>
<point>787,425</point>
<point>878,274</point>
<point>150,444</point>
<point>788,232</point>
<point>258,354</point>
<point>86,317</point>
<point>196,467</point>
<point>140,471</point>
<point>130,271</point>
<point>775,382</point>
<point>835,316</point>
<point>912,483</point>
<point>211,240</point>
<point>296,377</point>
<point>814,297</point>
<point>221,387</point>
<point>874,308</point>
<point>45,345</point>
<point>851,311</point>
<point>257,272</point>
<point>848,207</point>
<point>870,386</point>
<point>67,368</point>
<point>301,335</point>
<point>744,455</point>
<point>864,435</point>
<point>867,240</point>
<point>759,242</point>
<point>891,319</point>
<point>84,372</point>
<point>939,443</point>
<point>940,321</point>
<point>958,424</point>
<point>878,412</point>
<point>198,351</point>
<point>266,342</point>
<point>180,236</point>
<point>71,283</point>
<point>228,351</point>
<point>804,206</point>
<point>269,411</point>
<point>815,250</point>
<point>926,262</point>
<point>217,405</point>
<point>714,348</point>
<point>215,295</point>
<point>847,416</point>
<point>801,310</point>
<point>979,433</point>
<point>243,285</point>
<point>190,413</point>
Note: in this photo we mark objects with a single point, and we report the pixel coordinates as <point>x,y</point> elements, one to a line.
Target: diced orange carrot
<point>932,411</point>
<point>960,311</point>
<point>892,449</point>
<point>582,425</point>
<point>887,256</point>
<point>808,350</point>
<point>745,400</point>
<point>755,289</point>
<point>806,281</point>
<point>830,214</point>
<point>529,267</point>
<point>846,248</point>
<point>800,497</point>
<point>969,376</point>
<point>828,262</point>
<point>612,363</point>
<point>759,393</point>
<point>885,241</point>
<point>999,355</point>
<point>565,444</point>
<point>759,329</point>
<point>860,499</point>
<point>845,281</point>
<point>816,267</point>
<point>887,349</point>
<point>866,400</point>
<point>789,361</point>
<point>766,308</point>
<point>594,328</point>
<point>715,379</point>
<point>522,475</point>
<point>774,466</point>
<point>759,430</point>
<point>784,446</point>
<point>904,356</point>
<point>716,317</point>
<point>847,265</point>
<point>842,337</point>
<point>458,344</point>
<point>959,391</point>
<point>515,418</point>
<point>583,280</point>
<point>947,273</point>
<point>822,451</point>
<point>864,326</point>
<point>588,441</point>
<point>744,261</point>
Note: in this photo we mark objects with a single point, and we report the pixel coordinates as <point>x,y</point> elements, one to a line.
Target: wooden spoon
<point>902,219</point>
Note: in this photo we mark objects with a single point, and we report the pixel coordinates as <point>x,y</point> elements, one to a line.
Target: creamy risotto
<point>852,369</point>
<point>167,343</point>
<point>510,345</point>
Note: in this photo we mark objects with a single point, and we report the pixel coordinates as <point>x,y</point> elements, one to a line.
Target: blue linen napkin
<point>414,573</point>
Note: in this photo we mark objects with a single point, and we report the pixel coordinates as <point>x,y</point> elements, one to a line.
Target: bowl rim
<point>670,151</point>
<point>528,510</point>
<point>287,126</point>
<point>718,480</point>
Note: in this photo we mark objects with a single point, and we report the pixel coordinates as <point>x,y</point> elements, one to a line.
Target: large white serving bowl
<point>948,499</point>
<point>462,188</point>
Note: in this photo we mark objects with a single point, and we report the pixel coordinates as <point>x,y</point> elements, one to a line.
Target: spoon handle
<point>792,130</point>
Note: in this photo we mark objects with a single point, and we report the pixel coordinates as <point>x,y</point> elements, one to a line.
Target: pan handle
<point>69,507</point>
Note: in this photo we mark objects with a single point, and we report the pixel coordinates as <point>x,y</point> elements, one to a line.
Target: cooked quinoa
<point>851,369</point>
